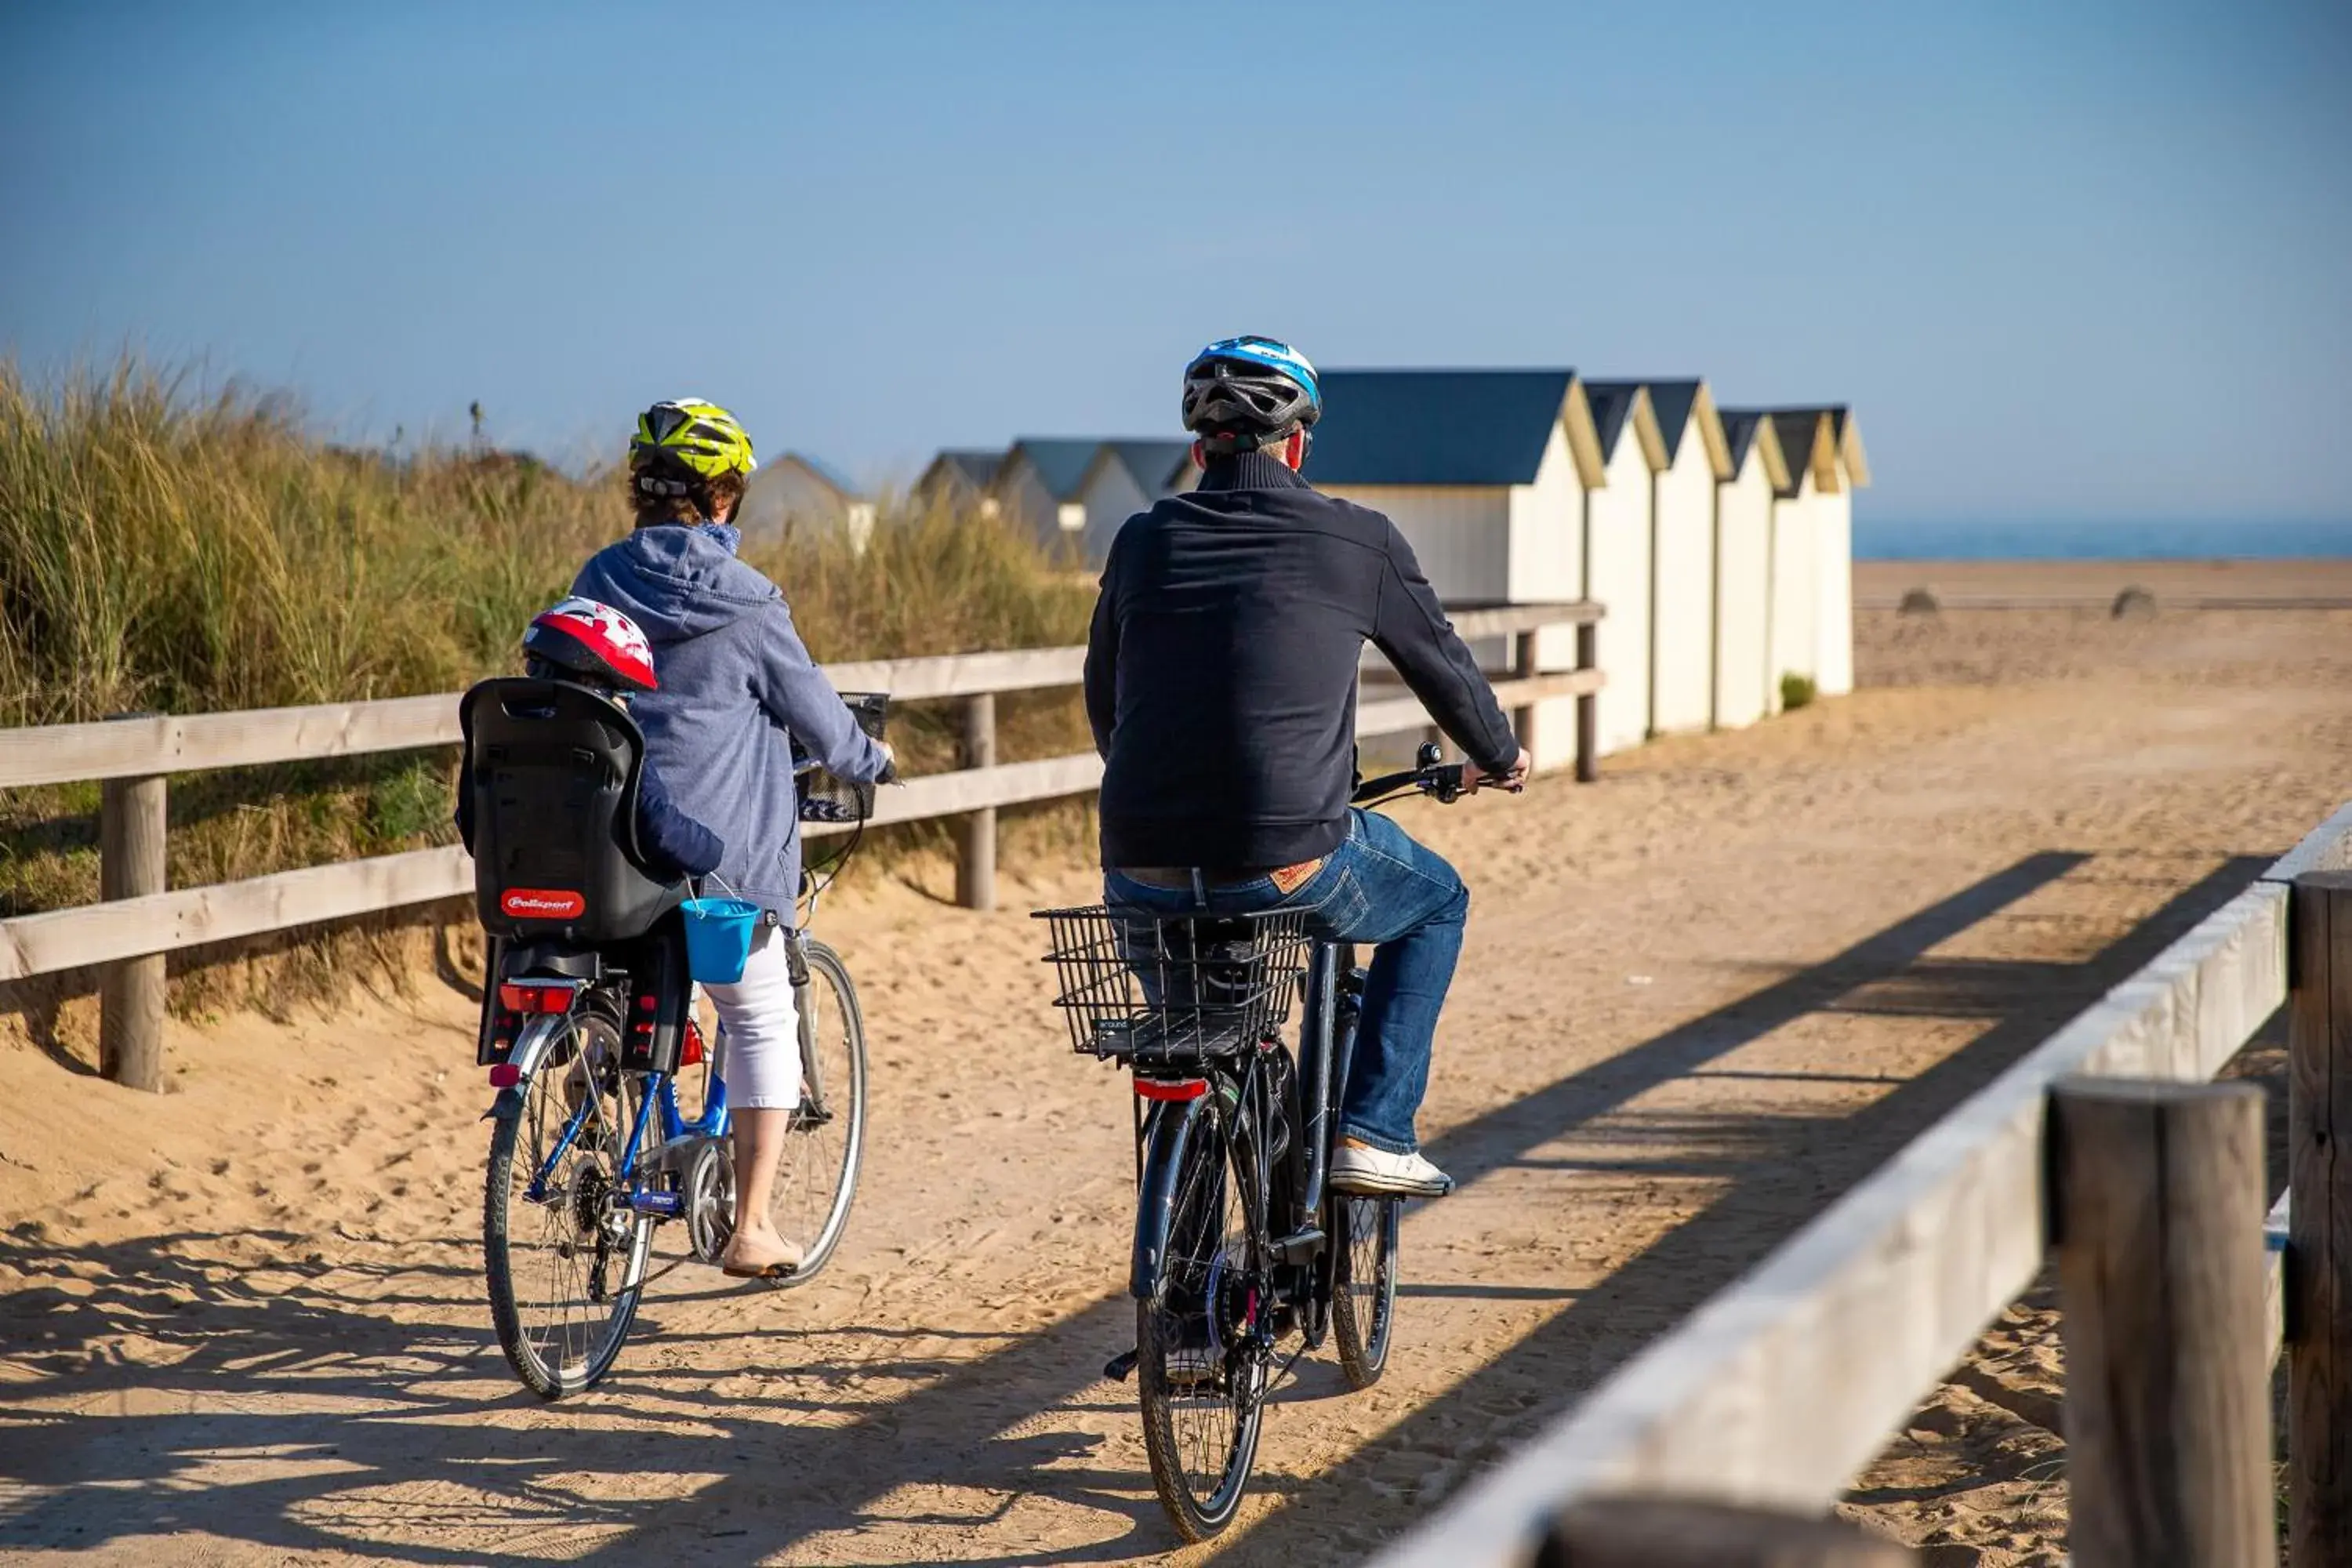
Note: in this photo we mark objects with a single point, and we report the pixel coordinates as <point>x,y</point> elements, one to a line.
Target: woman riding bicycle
<point>738,688</point>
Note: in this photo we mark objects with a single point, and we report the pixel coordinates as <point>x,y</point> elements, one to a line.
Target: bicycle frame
<point>1322,1082</point>
<point>657,1096</point>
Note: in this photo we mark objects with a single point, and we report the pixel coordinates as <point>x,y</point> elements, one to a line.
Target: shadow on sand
<point>308,1373</point>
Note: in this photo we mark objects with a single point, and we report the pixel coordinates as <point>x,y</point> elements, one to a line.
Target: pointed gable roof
<point>974,465</point>
<point>825,473</point>
<point>1752,428</point>
<point>1622,406</point>
<point>1061,463</point>
<point>1675,401</point>
<point>1453,428</point>
<point>1154,463</point>
<point>1807,447</point>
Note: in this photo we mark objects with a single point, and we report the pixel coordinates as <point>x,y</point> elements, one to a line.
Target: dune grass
<point>167,548</point>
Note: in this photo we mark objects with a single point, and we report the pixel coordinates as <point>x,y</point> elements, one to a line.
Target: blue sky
<point>2085,260</point>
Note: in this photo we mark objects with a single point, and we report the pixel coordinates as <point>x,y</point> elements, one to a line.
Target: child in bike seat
<point>595,646</point>
<point>738,689</point>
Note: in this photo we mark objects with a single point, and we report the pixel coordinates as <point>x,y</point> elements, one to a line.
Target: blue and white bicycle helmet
<point>1240,394</point>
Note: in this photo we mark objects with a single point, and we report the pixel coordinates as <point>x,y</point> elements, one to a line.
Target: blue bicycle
<point>589,1155</point>
<point>588,1020</point>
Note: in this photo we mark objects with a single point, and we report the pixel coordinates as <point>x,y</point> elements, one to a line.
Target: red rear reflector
<point>522,997</point>
<point>1181,1089</point>
<point>691,1052</point>
<point>506,1074</point>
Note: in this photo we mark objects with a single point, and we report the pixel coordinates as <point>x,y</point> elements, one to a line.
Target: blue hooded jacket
<point>737,686</point>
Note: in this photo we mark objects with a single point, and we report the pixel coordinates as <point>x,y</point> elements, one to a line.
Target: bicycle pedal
<point>1118,1368</point>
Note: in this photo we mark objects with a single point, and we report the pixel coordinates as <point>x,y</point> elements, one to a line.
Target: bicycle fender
<point>1166,1131</point>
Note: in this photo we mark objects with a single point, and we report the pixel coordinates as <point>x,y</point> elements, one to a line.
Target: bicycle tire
<point>1363,1232</point>
<point>553,1364</point>
<point>816,1181</point>
<point>1219,1203</point>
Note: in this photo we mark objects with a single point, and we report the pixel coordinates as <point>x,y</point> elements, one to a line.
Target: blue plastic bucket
<point>719,935</point>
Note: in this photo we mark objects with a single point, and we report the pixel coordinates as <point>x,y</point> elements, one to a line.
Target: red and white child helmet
<point>593,641</point>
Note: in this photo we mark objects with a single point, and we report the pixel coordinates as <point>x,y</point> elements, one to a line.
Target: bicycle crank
<point>710,1199</point>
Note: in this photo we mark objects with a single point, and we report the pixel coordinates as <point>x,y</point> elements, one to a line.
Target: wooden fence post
<point>1644,1532</point>
<point>2319,1221</point>
<point>131,863</point>
<point>2158,1204</point>
<point>1588,706</point>
<point>976,834</point>
<point>1523,668</point>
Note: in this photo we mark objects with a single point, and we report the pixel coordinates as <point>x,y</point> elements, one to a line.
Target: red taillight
<point>506,1074</point>
<point>1178,1088</point>
<point>522,996</point>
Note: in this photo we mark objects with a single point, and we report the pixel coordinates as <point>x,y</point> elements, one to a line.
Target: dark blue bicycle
<point>1245,1257</point>
<point>588,1022</point>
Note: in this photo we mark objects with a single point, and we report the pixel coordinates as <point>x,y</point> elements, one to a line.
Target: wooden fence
<point>2107,1140</point>
<point>138,921</point>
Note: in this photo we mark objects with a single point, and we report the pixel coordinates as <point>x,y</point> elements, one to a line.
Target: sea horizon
<point>1876,538</point>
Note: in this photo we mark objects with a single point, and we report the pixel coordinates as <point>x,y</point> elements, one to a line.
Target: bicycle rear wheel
<point>1363,1284</point>
<point>565,1267</point>
<point>816,1181</point>
<point>1199,1369</point>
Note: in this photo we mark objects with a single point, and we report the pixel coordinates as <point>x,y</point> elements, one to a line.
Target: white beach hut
<point>963,478</point>
<point>797,491</point>
<point>1745,683</point>
<point>1822,447</point>
<point>1847,470</point>
<point>1038,487</point>
<point>1486,473</point>
<point>1690,460</point>
<point>1074,493</point>
<point>1617,545</point>
<point>1796,572</point>
<point>1126,476</point>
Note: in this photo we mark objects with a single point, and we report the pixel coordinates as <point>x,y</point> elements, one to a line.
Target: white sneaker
<point>1361,1168</point>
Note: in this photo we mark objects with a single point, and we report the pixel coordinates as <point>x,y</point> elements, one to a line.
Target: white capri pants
<point>759,1028</point>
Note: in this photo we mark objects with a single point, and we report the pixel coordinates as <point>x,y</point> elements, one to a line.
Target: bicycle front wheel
<point>564,1260</point>
<point>1199,1364</point>
<point>816,1180</point>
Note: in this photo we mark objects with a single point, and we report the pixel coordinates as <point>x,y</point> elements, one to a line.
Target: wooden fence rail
<point>1777,1392</point>
<point>139,920</point>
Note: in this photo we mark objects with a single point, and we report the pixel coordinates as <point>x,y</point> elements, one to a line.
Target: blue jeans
<point>1379,886</point>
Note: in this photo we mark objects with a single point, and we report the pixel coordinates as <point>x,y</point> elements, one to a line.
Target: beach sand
<point>2181,585</point>
<point>244,1323</point>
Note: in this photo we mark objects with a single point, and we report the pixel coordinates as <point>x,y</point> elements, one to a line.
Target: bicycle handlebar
<point>1448,781</point>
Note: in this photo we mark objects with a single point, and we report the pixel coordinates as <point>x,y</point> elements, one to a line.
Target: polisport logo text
<point>541,903</point>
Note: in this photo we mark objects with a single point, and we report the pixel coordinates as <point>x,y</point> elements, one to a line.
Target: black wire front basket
<point>1169,993</point>
<point>823,796</point>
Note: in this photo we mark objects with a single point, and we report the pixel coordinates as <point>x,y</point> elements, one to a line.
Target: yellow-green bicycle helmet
<point>687,434</point>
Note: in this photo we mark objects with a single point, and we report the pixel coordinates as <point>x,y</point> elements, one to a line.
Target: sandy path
<point>243,1324</point>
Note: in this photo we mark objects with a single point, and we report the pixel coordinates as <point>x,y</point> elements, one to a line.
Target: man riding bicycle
<point>1221,685</point>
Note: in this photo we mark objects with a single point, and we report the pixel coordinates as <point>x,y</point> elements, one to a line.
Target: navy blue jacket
<point>1220,671</point>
